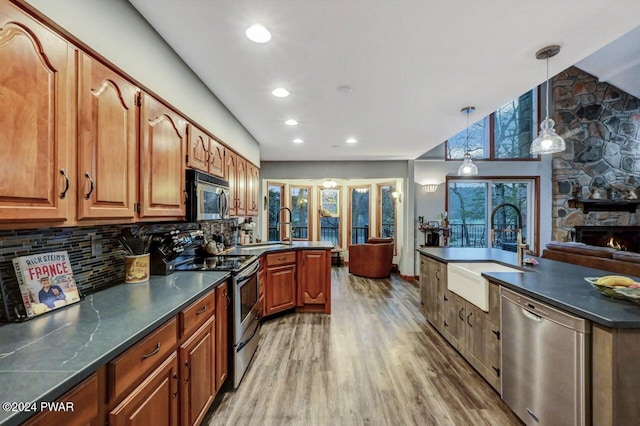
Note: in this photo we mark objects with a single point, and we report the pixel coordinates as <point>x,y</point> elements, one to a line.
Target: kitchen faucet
<point>521,248</point>
<point>286,223</point>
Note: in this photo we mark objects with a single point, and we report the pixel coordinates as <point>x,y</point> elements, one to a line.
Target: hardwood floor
<point>373,361</point>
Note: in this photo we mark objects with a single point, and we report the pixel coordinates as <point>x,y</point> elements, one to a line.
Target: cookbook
<point>46,282</point>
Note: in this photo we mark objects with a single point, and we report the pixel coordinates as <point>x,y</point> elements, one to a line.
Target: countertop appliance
<point>207,197</point>
<point>545,359</point>
<point>245,310</point>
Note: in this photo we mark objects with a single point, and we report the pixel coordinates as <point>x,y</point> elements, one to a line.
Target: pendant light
<point>547,141</point>
<point>467,168</point>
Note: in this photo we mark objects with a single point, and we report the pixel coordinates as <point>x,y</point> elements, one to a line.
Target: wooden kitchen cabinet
<point>85,407</point>
<point>433,285</point>
<point>154,401</point>
<point>162,167</point>
<point>253,190</point>
<point>236,173</point>
<point>222,335</point>
<point>198,373</point>
<point>471,331</point>
<point>314,275</point>
<point>262,282</point>
<point>280,290</point>
<point>107,143</point>
<point>216,159</point>
<point>37,106</point>
<point>197,149</point>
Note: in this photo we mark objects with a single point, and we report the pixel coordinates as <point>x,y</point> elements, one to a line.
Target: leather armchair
<point>374,259</point>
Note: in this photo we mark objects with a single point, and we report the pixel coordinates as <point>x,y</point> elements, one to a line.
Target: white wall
<point>115,30</point>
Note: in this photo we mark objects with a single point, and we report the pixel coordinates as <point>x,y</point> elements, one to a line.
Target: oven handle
<point>244,276</point>
<point>244,343</point>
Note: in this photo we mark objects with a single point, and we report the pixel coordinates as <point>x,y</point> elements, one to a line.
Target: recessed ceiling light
<point>258,33</point>
<point>351,140</point>
<point>345,88</point>
<point>291,122</point>
<point>298,140</point>
<point>280,92</point>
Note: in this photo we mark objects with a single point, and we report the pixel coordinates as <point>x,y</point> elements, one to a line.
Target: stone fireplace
<point>600,124</point>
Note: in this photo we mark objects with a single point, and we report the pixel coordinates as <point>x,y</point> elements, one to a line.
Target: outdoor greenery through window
<point>276,198</point>
<point>360,214</point>
<point>505,134</point>
<point>300,212</point>
<point>386,211</point>
<point>330,215</point>
<point>477,219</point>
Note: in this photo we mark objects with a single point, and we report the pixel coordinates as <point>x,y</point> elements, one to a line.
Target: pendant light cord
<point>466,143</point>
<point>547,112</point>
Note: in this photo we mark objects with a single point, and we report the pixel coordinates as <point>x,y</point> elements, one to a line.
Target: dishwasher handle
<point>531,316</point>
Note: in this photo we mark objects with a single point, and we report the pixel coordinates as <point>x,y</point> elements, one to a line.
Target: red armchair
<point>374,259</point>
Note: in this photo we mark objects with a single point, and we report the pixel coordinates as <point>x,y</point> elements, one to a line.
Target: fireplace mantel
<point>588,205</point>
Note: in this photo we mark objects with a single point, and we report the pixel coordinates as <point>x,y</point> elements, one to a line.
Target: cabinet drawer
<point>134,364</point>
<point>282,258</point>
<point>197,314</point>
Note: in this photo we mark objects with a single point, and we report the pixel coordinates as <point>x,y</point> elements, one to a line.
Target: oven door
<point>213,201</point>
<point>246,301</point>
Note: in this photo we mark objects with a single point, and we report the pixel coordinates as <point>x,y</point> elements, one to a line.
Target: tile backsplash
<point>92,273</point>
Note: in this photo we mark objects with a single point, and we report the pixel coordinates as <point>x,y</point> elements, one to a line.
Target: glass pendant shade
<point>467,168</point>
<point>547,141</point>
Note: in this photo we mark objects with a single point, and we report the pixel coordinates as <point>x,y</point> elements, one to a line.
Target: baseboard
<point>409,277</point>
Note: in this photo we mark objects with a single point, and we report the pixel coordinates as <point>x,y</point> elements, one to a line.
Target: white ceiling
<point>412,64</point>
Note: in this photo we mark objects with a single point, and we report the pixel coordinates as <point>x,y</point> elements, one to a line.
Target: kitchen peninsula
<point>613,376</point>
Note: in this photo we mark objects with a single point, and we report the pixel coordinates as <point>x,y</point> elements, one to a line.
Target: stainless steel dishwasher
<point>545,362</point>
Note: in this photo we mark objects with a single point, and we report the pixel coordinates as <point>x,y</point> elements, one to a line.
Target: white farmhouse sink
<point>466,281</point>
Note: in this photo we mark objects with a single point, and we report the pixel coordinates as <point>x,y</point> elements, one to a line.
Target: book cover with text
<point>46,282</point>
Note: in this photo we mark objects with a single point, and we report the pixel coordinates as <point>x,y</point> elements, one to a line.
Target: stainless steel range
<point>245,312</point>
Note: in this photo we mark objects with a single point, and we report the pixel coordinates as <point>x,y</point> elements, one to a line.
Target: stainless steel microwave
<point>207,197</point>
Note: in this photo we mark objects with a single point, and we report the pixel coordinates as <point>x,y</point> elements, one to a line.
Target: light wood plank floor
<point>374,361</point>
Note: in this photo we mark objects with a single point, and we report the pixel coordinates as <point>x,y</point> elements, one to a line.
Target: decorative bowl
<point>632,294</point>
<point>605,289</point>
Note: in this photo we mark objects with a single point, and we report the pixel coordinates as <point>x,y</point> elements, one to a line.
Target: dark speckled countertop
<point>43,358</point>
<point>557,283</point>
<point>274,246</point>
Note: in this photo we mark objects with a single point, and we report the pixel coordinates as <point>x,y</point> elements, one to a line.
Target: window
<point>276,202</point>
<point>386,211</point>
<point>300,212</point>
<point>504,135</point>
<point>488,212</point>
<point>359,213</point>
<point>330,215</point>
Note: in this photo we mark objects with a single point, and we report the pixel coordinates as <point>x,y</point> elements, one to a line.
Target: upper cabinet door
<point>230,171</point>
<point>216,159</point>
<point>198,152</point>
<point>241,186</point>
<point>107,142</point>
<point>162,167</point>
<point>36,108</point>
<point>253,191</point>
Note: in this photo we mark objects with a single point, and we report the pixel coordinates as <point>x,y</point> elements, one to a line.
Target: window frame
<point>491,142</point>
<point>350,189</point>
<point>340,209</point>
<point>379,212</point>
<point>283,196</point>
<point>309,210</point>
<point>535,248</point>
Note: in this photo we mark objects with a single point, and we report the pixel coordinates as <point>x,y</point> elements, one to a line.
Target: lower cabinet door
<point>197,374</point>
<point>280,289</point>
<point>222,335</point>
<point>154,402</point>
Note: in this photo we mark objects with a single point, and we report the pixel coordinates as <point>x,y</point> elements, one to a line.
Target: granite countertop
<point>275,246</point>
<point>45,357</point>
<point>557,283</point>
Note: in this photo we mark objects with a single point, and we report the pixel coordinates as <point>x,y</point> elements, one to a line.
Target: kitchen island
<point>614,375</point>
<point>47,356</point>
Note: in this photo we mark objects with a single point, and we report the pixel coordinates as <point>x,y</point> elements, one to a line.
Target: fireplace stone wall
<point>600,124</point>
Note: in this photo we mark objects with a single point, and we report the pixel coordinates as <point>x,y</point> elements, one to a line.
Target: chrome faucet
<point>521,248</point>
<point>282,238</point>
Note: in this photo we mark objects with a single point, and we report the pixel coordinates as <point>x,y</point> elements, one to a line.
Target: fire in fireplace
<point>619,237</point>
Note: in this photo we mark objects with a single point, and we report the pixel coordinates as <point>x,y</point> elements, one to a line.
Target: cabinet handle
<point>228,301</point>
<point>497,370</point>
<point>186,364</point>
<point>497,333</point>
<point>445,298</point>
<point>175,376</point>
<point>152,353</point>
<point>469,316</point>
<point>186,196</point>
<point>202,311</point>
<point>438,275</point>
<point>460,314</point>
<point>63,194</point>
<point>91,183</point>
<point>445,324</point>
